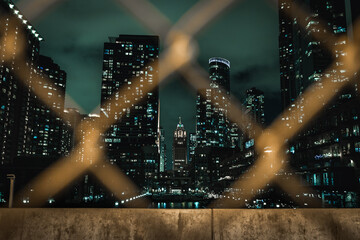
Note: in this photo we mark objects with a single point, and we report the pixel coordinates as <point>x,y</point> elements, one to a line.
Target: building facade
<point>70,133</point>
<point>162,150</point>
<point>131,64</point>
<point>17,31</point>
<point>31,134</point>
<point>255,104</point>
<point>40,132</point>
<point>326,153</point>
<point>212,104</point>
<point>215,136</point>
<point>192,146</point>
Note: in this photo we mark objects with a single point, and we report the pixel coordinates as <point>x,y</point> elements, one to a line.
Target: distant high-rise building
<point>255,104</point>
<point>236,136</point>
<point>180,160</point>
<point>212,124</point>
<point>30,132</point>
<point>40,132</point>
<point>245,153</point>
<point>131,140</point>
<point>216,136</point>
<point>192,146</point>
<point>162,150</point>
<point>87,149</point>
<point>16,32</point>
<point>303,60</point>
<point>326,153</point>
<point>70,135</point>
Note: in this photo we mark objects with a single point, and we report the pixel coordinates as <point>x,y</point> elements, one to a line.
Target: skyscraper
<point>212,125</point>
<point>31,134</point>
<point>131,141</point>
<point>180,158</point>
<point>255,104</point>
<point>40,132</point>
<point>87,150</point>
<point>16,31</point>
<point>325,153</point>
<point>303,59</point>
<point>162,150</point>
<point>69,134</point>
<point>192,146</point>
<point>216,137</point>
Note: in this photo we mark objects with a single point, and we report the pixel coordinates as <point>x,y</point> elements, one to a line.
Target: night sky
<point>246,35</point>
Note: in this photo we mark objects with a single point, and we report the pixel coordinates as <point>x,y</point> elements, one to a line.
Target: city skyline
<point>229,143</point>
<point>84,25</point>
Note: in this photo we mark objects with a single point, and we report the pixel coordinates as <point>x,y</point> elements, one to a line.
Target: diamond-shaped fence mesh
<point>179,56</point>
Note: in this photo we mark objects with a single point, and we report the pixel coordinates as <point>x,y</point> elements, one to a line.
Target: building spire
<point>180,124</point>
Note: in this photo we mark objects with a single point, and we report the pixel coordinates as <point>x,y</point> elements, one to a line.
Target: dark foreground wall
<point>179,224</point>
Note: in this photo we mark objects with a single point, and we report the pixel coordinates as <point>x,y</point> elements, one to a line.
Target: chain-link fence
<point>179,56</point>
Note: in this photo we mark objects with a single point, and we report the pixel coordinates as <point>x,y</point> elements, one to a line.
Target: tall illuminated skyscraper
<point>303,59</point>
<point>131,64</point>
<point>212,125</point>
<point>40,131</point>
<point>215,135</point>
<point>326,153</point>
<point>12,25</point>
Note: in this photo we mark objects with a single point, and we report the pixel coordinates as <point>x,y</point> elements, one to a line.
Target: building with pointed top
<point>180,148</point>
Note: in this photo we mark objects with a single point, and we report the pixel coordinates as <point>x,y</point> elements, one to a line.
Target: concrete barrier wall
<point>179,224</point>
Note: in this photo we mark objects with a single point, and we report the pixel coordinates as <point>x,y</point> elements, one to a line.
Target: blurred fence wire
<point>180,56</point>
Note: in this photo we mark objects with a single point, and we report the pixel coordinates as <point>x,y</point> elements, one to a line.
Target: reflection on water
<point>178,205</point>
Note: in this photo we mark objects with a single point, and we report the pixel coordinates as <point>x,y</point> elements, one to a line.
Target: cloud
<point>244,75</point>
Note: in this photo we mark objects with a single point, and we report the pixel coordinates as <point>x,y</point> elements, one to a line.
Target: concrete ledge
<point>104,224</point>
<point>179,224</point>
<point>287,224</point>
